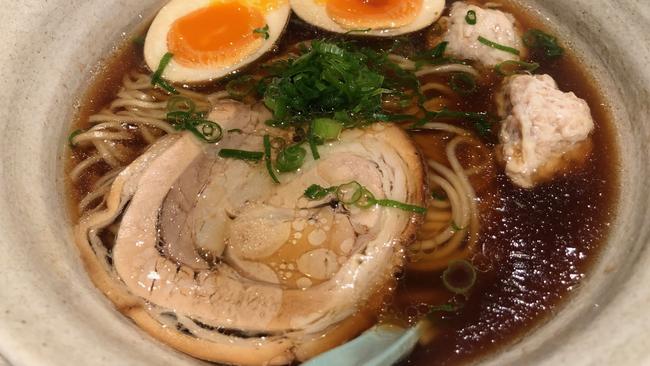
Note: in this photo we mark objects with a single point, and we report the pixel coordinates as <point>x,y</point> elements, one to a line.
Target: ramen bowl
<point>52,314</point>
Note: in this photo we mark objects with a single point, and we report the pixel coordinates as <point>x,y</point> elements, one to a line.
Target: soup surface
<point>533,246</point>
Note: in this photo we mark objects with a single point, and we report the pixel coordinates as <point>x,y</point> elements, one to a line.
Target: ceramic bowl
<point>50,313</point>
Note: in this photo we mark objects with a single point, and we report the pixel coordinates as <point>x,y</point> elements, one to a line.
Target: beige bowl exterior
<point>50,313</point>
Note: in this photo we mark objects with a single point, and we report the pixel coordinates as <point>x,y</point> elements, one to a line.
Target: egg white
<point>155,46</point>
<point>315,13</point>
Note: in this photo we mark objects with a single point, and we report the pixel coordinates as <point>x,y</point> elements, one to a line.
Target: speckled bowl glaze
<point>50,313</point>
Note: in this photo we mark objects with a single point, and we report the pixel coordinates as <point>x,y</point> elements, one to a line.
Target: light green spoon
<point>380,346</point>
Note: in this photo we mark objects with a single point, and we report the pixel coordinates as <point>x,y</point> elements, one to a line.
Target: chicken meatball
<point>544,130</point>
<point>492,25</point>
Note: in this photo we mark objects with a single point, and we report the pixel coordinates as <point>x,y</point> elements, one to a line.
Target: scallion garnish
<point>383,117</point>
<point>353,193</point>
<point>342,82</point>
<point>470,18</point>
<point>481,120</point>
<point>205,130</point>
<point>462,83</point>
<point>444,308</point>
<point>455,226</point>
<point>290,159</point>
<point>367,199</point>
<point>326,78</point>
<point>313,143</point>
<point>548,44</point>
<point>439,50</point>
<point>157,79</point>
<point>402,206</point>
<point>241,154</point>
<point>74,134</point>
<point>200,127</point>
<point>349,193</point>
<point>316,192</point>
<point>498,46</point>
<point>511,67</point>
<point>459,277</point>
<point>178,103</point>
<point>178,117</point>
<point>264,31</point>
<point>267,159</point>
<point>326,129</point>
<point>434,56</point>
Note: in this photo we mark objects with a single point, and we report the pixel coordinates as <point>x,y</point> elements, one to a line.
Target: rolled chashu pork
<point>215,259</point>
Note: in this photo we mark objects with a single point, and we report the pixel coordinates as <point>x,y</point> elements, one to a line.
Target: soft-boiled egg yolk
<point>384,14</point>
<point>217,35</point>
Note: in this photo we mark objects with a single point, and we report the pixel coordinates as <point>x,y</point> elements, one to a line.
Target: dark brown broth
<point>539,243</point>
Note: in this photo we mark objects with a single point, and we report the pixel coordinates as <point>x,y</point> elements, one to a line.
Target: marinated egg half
<point>212,38</point>
<point>369,17</point>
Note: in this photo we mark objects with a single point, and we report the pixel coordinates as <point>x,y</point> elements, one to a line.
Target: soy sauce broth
<point>539,243</point>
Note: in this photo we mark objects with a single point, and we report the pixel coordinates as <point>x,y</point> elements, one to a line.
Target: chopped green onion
<point>325,78</point>
<point>462,83</point>
<point>446,308</point>
<point>344,118</point>
<point>166,86</point>
<point>470,18</point>
<point>497,46</point>
<point>367,199</point>
<point>326,129</point>
<point>353,193</point>
<point>449,114</point>
<point>402,206</point>
<point>241,154</point>
<point>179,117</point>
<point>455,226</point>
<point>74,134</point>
<point>264,31</point>
<point>433,56</point>
<point>290,159</point>
<point>241,86</point>
<point>481,120</point>
<point>535,38</point>
<point>313,144</point>
<point>349,193</point>
<point>178,103</point>
<point>235,130</point>
<point>439,50</point>
<point>450,308</point>
<point>512,67</point>
<point>316,192</point>
<point>156,78</point>
<point>459,277</point>
<point>267,158</point>
<point>405,101</point>
<point>205,130</point>
<point>392,117</point>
